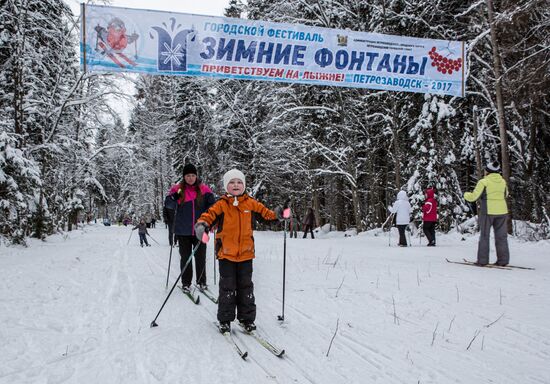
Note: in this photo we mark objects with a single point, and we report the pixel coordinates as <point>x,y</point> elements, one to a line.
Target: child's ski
<point>506,266</point>
<point>480,266</point>
<point>194,299</point>
<point>209,295</point>
<point>227,336</point>
<point>264,343</point>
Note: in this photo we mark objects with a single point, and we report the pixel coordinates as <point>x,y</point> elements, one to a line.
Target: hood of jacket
<point>430,193</point>
<point>495,178</point>
<point>402,195</point>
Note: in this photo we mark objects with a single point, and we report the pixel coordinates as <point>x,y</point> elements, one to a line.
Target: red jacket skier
<point>429,216</point>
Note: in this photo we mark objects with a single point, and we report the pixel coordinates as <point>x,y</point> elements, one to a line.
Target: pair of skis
<point>228,336</point>
<point>471,263</point>
<point>259,338</point>
<point>196,298</point>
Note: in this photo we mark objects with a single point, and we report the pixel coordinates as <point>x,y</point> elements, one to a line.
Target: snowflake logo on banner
<point>172,47</point>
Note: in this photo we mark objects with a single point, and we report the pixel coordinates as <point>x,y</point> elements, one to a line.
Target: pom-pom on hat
<point>493,167</point>
<point>233,174</point>
<point>189,168</point>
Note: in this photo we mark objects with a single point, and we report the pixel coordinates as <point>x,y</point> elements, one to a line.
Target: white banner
<point>165,43</point>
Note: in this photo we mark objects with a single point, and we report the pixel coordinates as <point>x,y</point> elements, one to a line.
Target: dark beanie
<point>189,168</point>
<point>493,167</point>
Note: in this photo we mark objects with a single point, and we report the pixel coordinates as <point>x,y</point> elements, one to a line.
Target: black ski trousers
<point>186,244</point>
<point>236,291</point>
<point>307,228</point>
<point>429,230</point>
<point>402,237</point>
<point>143,239</point>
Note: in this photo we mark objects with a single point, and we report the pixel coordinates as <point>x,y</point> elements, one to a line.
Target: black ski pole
<point>214,248</point>
<point>152,238</point>
<point>282,316</point>
<point>130,237</point>
<point>169,262</point>
<point>172,242</point>
<point>153,323</point>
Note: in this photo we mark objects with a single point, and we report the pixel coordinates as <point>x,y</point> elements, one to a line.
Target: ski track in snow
<point>77,308</point>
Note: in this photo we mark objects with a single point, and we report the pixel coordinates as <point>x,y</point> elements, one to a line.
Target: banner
<point>165,43</point>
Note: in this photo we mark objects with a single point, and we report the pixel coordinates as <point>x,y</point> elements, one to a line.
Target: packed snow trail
<point>77,308</point>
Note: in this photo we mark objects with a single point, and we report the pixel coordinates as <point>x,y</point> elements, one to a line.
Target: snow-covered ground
<point>77,309</point>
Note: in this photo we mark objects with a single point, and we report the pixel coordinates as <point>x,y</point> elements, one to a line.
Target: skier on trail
<point>309,223</point>
<point>142,231</point>
<point>429,216</point>
<point>294,224</point>
<point>193,198</point>
<point>402,210</point>
<point>493,191</point>
<point>233,213</point>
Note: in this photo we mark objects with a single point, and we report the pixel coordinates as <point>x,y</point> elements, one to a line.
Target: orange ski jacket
<point>234,238</point>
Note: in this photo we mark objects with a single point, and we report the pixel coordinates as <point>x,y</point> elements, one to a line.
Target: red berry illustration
<point>444,64</point>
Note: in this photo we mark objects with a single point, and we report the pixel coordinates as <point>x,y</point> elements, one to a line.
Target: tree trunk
<point>479,169</point>
<point>500,105</point>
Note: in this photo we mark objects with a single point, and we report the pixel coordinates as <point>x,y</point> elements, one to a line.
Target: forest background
<point>66,154</point>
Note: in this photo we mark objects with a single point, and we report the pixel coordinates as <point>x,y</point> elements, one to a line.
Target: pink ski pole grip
<point>205,238</point>
<point>286,213</point>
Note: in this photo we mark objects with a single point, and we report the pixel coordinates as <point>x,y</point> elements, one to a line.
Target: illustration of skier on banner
<point>113,40</point>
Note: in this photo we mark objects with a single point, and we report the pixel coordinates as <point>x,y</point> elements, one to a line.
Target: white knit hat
<point>233,174</point>
<point>493,167</point>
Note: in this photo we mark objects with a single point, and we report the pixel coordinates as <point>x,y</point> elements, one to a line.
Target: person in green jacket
<point>493,191</point>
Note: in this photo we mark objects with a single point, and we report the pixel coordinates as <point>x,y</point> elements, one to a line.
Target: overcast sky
<point>200,7</point>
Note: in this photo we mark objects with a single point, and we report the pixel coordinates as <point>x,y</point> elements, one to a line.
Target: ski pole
<point>130,237</point>
<point>152,238</point>
<point>282,316</point>
<point>169,262</point>
<point>172,241</point>
<point>214,248</point>
<point>153,323</point>
<point>385,222</point>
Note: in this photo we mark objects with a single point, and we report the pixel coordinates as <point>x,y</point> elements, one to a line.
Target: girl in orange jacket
<point>234,244</point>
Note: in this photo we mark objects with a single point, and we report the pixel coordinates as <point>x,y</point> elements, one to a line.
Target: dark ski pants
<point>310,229</point>
<point>402,237</point>
<point>429,230</point>
<point>236,291</point>
<point>500,228</point>
<point>143,239</point>
<point>186,244</point>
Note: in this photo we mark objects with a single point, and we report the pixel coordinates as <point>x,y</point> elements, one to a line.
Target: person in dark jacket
<point>142,231</point>
<point>193,198</point>
<point>309,223</point>
<point>429,216</point>
<point>168,215</point>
